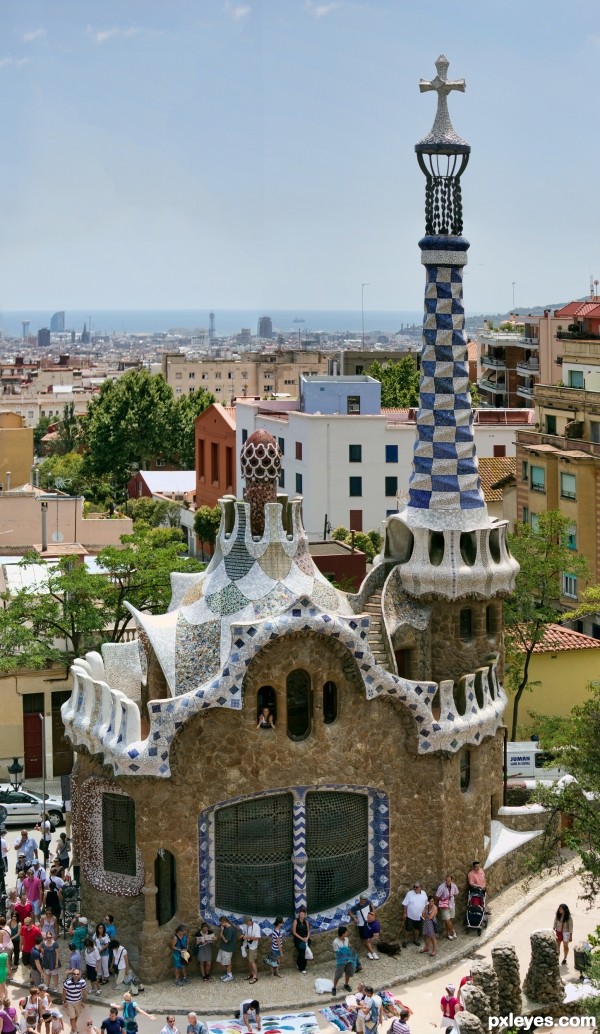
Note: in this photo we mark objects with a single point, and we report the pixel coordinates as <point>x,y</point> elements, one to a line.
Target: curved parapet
<point>450,563</point>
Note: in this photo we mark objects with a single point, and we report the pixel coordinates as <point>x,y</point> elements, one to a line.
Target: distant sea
<point>227,321</point>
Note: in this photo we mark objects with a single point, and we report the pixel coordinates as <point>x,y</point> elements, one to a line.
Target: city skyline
<point>260,154</point>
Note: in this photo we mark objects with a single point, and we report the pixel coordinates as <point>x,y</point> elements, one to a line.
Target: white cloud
<point>13,62</point>
<point>104,35</point>
<point>29,37</point>
<point>322,10</point>
<point>237,11</point>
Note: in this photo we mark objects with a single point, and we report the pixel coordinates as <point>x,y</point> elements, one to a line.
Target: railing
<point>487,385</point>
<point>577,335</point>
<point>523,390</point>
<point>558,441</point>
<point>528,366</point>
<point>493,360</point>
<point>531,342</point>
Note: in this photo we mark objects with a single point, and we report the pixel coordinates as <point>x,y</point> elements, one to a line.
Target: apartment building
<point>558,460</point>
<point>251,374</point>
<point>349,458</point>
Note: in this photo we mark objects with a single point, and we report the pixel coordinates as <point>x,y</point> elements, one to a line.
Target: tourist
<point>3,971</point>
<point>57,1025</point>
<point>369,1012</point>
<point>113,1024</point>
<point>413,905</point>
<point>102,943</point>
<point>32,887</point>
<point>50,960</point>
<point>400,1025</point>
<point>45,829</point>
<point>5,937</point>
<point>375,928</point>
<point>467,979</point>
<point>39,871</point>
<point>345,960</point>
<point>476,879</point>
<point>194,1026</point>
<point>78,931</point>
<point>8,1017</point>
<point>49,924</point>
<point>250,937</point>
<point>36,973</point>
<point>250,1013</point>
<point>54,891</point>
<point>74,997</point>
<point>120,962</point>
<point>276,953</point>
<point>14,929</point>
<point>75,958</point>
<point>227,943</point>
<point>204,942</point>
<point>450,1005</point>
<point>21,866</point>
<point>429,923</point>
<point>446,894</point>
<point>360,915</point>
<point>31,1010</point>
<point>130,1011</point>
<point>23,907</point>
<point>92,964</point>
<point>29,932</point>
<point>90,1028</point>
<point>45,1004</point>
<point>169,1027</point>
<point>26,847</point>
<point>265,719</point>
<point>62,851</point>
<point>301,935</point>
<point>563,930</point>
<point>181,955</point>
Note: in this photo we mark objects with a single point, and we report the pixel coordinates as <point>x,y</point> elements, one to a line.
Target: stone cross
<point>442,129</point>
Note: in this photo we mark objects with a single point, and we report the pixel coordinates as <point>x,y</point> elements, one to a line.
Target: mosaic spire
<point>444,488</point>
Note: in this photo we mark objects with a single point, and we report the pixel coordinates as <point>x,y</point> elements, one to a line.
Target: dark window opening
<point>355,486</point>
<point>353,404</point>
<point>118,833</point>
<point>299,482</point>
<point>166,883</point>
<point>253,856</point>
<point>330,703</point>
<point>391,454</point>
<point>337,845</point>
<point>465,770</point>
<point>266,697</point>
<point>298,704</point>
<point>466,623</point>
<point>298,450</point>
<point>355,453</point>
<point>391,486</point>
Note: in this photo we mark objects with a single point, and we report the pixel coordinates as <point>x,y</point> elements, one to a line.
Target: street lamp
<point>362,308</point>
<point>513,287</point>
<point>15,770</point>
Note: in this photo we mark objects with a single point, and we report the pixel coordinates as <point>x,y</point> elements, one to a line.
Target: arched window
<point>298,704</point>
<point>118,833</point>
<point>465,770</point>
<point>266,697</point>
<point>330,702</point>
<point>466,623</point>
<point>166,882</point>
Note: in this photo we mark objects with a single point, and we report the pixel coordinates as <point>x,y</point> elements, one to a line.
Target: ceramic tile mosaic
<point>330,919</point>
<point>91,847</point>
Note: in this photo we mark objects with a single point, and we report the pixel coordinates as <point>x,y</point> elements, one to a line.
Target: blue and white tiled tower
<point>444,539</point>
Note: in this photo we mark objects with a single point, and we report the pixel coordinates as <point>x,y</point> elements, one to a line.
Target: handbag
<point>270,960</point>
<point>308,953</point>
<point>185,955</point>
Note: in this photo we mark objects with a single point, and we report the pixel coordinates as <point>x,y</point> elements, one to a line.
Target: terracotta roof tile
<point>557,638</point>
<point>493,469</point>
<point>580,309</point>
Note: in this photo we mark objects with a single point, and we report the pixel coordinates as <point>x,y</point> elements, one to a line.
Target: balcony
<point>498,362</point>
<point>498,387</point>
<point>525,391</point>
<point>558,442</point>
<point>528,342</point>
<point>577,335</point>
<point>528,368</point>
<point>553,396</point>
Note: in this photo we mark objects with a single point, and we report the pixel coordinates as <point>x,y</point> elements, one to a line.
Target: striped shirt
<point>73,989</point>
<point>399,1027</point>
<point>276,940</point>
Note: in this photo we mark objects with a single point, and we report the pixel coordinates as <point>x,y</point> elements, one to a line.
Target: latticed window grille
<point>273,857</point>
<point>253,855</point>
<point>118,833</point>
<point>337,846</point>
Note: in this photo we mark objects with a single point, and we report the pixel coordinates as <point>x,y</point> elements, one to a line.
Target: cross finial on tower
<point>442,131</point>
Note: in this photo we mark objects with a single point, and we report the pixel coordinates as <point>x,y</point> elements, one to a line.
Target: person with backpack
<point>345,960</point>
<point>130,1010</point>
<point>54,888</point>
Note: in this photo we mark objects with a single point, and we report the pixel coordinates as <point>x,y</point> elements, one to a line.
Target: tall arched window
<point>298,704</point>
<point>330,702</point>
<point>166,884</point>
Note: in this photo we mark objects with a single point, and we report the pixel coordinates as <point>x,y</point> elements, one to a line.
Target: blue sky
<point>259,153</point>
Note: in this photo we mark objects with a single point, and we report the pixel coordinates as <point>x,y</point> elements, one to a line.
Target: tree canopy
<point>68,610</point>
<point>399,382</point>
<point>207,520</point>
<point>188,408</point>
<point>544,556</point>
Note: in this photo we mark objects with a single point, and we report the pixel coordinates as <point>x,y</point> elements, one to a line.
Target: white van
<point>527,764</point>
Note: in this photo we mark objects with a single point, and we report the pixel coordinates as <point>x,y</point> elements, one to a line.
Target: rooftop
<point>556,639</point>
<point>493,469</point>
<point>169,482</point>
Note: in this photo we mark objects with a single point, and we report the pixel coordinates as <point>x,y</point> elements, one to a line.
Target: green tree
<point>39,431</point>
<point>399,382</point>
<point>64,472</point>
<point>155,513</point>
<point>573,814</point>
<point>544,556</point>
<point>188,407</point>
<point>475,396</point>
<point>133,419</point>
<point>65,610</point>
<point>340,534</point>
<point>68,431</point>
<point>206,524</point>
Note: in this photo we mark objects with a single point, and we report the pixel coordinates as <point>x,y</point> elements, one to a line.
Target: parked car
<point>24,808</point>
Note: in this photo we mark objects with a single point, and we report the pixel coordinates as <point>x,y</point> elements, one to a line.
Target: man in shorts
<point>413,906</point>
<point>250,938</point>
<point>360,914</point>
<point>446,894</point>
<point>74,997</point>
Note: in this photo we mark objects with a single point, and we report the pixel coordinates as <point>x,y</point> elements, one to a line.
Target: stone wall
<point>219,754</point>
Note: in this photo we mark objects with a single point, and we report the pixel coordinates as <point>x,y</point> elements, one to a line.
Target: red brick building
<point>215,454</point>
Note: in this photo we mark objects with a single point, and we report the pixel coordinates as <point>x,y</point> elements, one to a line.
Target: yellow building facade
<point>16,450</point>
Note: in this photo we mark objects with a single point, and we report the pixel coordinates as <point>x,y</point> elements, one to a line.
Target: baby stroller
<point>475,918</point>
